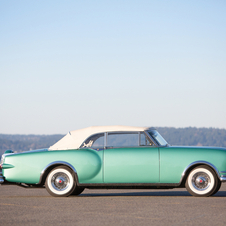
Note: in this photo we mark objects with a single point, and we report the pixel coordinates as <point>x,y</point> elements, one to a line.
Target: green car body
<point>142,166</point>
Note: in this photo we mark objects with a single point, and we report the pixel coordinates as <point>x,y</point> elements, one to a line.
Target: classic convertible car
<point>116,157</point>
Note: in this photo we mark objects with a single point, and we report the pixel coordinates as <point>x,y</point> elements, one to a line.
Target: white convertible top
<point>74,139</point>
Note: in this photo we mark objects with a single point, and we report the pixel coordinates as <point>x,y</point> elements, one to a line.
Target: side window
<point>144,140</point>
<point>123,140</point>
<point>95,141</point>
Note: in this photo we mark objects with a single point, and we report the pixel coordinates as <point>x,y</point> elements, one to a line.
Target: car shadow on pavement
<point>155,193</point>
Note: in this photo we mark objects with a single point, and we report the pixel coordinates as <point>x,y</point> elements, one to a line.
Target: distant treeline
<point>20,143</point>
<point>194,136</point>
<point>174,136</point>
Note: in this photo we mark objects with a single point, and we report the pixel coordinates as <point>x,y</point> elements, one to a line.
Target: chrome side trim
<point>57,163</point>
<point>197,163</point>
<point>129,185</point>
<point>222,172</point>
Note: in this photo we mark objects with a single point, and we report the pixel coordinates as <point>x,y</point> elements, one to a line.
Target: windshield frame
<point>157,139</point>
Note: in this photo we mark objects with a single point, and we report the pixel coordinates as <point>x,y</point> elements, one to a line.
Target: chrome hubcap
<point>201,181</point>
<point>60,181</point>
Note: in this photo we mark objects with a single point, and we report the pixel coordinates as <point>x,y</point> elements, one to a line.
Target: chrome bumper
<point>223,178</point>
<point>1,178</point>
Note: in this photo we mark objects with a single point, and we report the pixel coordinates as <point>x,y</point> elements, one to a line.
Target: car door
<point>128,160</point>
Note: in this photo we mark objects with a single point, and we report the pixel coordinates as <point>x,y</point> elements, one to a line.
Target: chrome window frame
<point>92,147</point>
<point>122,132</point>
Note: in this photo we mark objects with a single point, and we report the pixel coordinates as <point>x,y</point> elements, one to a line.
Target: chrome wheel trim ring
<point>60,181</point>
<point>201,181</point>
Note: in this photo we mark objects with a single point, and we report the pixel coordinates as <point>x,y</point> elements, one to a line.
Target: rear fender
<point>52,165</point>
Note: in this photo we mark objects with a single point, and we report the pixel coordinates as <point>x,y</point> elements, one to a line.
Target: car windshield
<point>157,137</point>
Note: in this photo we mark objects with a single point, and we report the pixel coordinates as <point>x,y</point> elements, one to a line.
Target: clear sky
<point>66,65</point>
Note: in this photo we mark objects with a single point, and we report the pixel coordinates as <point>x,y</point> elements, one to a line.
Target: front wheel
<point>202,182</point>
<point>60,182</point>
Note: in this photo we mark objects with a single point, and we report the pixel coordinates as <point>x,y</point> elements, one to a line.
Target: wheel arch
<point>191,166</point>
<point>51,166</point>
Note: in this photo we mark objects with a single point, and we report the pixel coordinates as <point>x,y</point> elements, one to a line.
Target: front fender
<point>222,177</point>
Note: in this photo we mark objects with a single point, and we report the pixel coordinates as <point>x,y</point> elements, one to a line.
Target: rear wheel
<point>78,191</point>
<point>202,182</point>
<point>60,182</point>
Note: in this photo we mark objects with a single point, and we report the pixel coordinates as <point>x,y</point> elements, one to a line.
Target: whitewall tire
<point>60,182</point>
<point>202,181</point>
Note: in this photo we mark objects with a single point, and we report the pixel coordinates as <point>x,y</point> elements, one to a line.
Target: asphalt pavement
<point>19,206</point>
